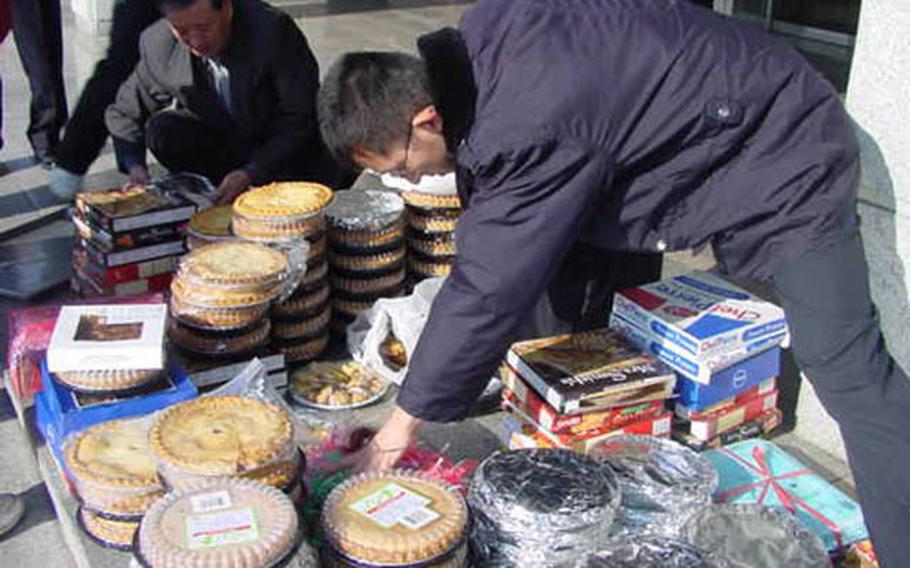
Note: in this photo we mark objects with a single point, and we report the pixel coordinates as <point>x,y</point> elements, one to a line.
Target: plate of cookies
<point>336,385</point>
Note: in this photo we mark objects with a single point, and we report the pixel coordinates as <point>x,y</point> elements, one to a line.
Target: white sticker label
<point>394,504</point>
<point>221,529</point>
<point>208,502</point>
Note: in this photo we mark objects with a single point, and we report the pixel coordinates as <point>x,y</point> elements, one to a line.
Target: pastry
<point>113,468</point>
<point>393,352</point>
<point>430,200</point>
<point>283,200</point>
<point>212,224</point>
<point>215,343</point>
<point>370,285</point>
<point>108,532</point>
<point>335,384</point>
<point>237,523</point>
<point>301,350</point>
<point>220,436</point>
<point>234,265</point>
<point>354,306</point>
<point>303,328</point>
<point>434,221</point>
<point>424,267</point>
<point>211,297</point>
<point>368,241</point>
<point>317,246</point>
<point>317,269</point>
<point>277,231</point>
<point>302,302</point>
<point>107,380</point>
<point>365,219</point>
<point>438,245</point>
<point>396,518</point>
<point>216,318</point>
<point>366,262</point>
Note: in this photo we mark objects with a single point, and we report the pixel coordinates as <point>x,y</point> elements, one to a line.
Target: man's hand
<point>231,186</point>
<point>390,442</point>
<point>139,177</point>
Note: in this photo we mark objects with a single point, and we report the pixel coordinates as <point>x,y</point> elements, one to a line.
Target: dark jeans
<point>86,132</point>
<point>182,142</point>
<point>39,38</point>
<point>580,296</point>
<point>839,346</point>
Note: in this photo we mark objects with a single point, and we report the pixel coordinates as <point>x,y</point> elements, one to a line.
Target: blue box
<point>61,412</point>
<point>757,471</point>
<point>729,382</point>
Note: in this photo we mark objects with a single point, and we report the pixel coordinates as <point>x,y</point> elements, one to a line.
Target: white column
<point>878,99</point>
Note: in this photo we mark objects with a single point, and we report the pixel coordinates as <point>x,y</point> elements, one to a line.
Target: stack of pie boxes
<point>366,252</point>
<point>284,215</point>
<point>431,233</point>
<point>109,355</point>
<point>220,299</point>
<point>724,344</point>
<point>572,391</point>
<point>128,241</point>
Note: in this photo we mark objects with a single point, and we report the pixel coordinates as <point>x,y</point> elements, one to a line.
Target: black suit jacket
<point>274,79</point>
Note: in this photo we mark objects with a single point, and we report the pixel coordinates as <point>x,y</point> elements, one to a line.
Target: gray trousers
<point>838,345</point>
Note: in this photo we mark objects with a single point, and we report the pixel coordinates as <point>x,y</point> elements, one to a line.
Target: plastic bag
<point>402,317</point>
<point>443,184</point>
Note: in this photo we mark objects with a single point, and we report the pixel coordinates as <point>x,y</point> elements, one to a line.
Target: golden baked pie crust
<point>283,199</point>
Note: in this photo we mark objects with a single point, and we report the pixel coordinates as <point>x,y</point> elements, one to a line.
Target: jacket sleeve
<point>138,98</point>
<point>293,132</point>
<point>527,208</point>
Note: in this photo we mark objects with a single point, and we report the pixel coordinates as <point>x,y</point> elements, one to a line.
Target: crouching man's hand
<point>231,186</point>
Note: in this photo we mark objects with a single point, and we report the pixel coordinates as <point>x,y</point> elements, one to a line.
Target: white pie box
<point>108,337</point>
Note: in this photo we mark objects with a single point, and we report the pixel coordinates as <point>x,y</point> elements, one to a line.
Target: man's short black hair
<point>166,5</point>
<point>368,99</point>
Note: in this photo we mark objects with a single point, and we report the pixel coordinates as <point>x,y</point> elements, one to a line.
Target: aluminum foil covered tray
<point>368,210</point>
<point>753,536</point>
<point>541,508</point>
<point>647,552</point>
<point>663,483</point>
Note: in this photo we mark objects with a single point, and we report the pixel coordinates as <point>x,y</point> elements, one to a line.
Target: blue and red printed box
<point>60,412</point>
<point>757,471</point>
<point>698,323</point>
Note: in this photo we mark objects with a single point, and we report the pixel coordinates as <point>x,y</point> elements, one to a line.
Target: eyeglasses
<point>401,170</point>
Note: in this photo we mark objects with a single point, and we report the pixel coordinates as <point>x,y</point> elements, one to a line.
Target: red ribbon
<point>769,482</point>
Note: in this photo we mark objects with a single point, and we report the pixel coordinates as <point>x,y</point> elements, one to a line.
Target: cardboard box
<point>730,382</point>
<point>120,210</point>
<point>529,402</point>
<point>701,320</point>
<point>583,443</point>
<point>126,272</point>
<point>108,242</point>
<point>114,337</point>
<point>704,426</point>
<point>587,371</point>
<point>761,426</point>
<point>61,412</point>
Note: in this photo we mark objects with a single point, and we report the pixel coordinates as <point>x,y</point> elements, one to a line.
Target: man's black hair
<point>368,99</point>
<point>167,5</point>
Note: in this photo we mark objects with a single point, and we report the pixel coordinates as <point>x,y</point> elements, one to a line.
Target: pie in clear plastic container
<point>220,436</point>
<point>113,469</point>
<point>396,518</point>
<point>236,522</point>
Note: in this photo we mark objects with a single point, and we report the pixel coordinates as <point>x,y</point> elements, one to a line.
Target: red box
<point>704,426</point>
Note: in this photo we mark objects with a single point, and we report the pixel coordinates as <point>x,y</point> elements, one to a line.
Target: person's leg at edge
<point>12,509</point>
<point>86,131</point>
<point>839,346</point>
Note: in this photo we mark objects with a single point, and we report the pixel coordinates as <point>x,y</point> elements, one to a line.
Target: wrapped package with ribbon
<point>752,536</point>
<point>541,508</point>
<point>648,552</point>
<point>757,471</point>
<point>663,483</point>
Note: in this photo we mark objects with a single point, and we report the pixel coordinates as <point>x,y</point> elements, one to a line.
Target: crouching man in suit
<point>226,89</point>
